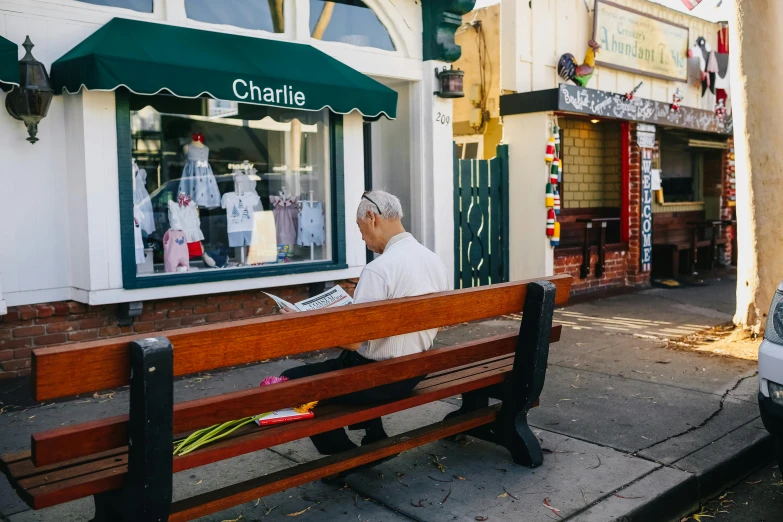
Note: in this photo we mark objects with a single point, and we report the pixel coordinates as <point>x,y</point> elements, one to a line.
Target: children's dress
<point>286,214</point>
<point>312,225</point>
<point>198,181</point>
<point>185,217</point>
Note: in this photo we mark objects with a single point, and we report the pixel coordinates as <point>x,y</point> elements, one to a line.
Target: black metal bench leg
<point>527,378</point>
<point>473,400</point>
<point>148,486</point>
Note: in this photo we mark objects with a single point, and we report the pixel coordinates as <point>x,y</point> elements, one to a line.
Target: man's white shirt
<point>405,269</point>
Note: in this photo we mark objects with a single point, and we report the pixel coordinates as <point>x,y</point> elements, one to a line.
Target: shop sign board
<point>636,42</point>
<point>572,98</point>
<point>646,221</point>
<point>645,139</point>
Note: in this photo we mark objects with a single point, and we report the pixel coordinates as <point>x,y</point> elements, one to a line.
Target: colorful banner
<point>636,42</point>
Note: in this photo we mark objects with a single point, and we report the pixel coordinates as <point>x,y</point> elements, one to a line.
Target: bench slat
<point>25,468</point>
<point>71,485</point>
<point>224,498</point>
<point>105,364</point>
<point>93,437</point>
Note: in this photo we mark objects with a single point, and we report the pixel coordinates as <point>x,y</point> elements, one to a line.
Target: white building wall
<point>536,34</point>
<point>63,240</point>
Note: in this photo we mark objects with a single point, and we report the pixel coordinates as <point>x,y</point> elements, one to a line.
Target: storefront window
<point>220,185</point>
<point>348,21</point>
<point>263,15</point>
<point>142,6</point>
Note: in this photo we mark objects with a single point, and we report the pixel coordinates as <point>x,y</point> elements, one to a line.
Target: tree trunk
<point>323,21</point>
<point>756,63</point>
<point>278,19</point>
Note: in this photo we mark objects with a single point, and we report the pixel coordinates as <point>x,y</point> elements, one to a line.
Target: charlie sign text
<point>636,42</point>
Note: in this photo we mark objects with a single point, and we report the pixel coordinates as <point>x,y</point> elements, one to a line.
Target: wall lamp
<point>450,82</point>
<point>29,103</point>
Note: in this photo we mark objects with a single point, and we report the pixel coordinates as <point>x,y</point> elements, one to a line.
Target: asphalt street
<point>757,498</point>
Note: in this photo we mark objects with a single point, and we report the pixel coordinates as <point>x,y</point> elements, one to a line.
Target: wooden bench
<point>126,462</point>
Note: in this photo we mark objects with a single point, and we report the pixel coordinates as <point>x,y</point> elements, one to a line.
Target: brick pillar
<point>726,211</point>
<point>632,193</point>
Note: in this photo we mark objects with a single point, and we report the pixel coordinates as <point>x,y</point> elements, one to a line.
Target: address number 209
<point>443,119</point>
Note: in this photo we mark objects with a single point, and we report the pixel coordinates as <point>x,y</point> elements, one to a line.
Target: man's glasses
<point>364,196</point>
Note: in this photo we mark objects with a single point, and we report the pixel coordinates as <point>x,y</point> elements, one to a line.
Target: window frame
<point>131,280</point>
<point>471,138</point>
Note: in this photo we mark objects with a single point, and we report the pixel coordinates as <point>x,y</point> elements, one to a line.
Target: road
<point>757,498</point>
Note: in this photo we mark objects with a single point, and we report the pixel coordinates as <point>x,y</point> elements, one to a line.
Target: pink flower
<point>273,380</point>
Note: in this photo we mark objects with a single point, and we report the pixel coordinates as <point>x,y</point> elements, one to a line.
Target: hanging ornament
<point>720,110</point>
<point>629,96</point>
<point>556,132</point>
<point>557,201</point>
<point>550,223</point>
<point>550,150</point>
<point>549,201</point>
<point>555,239</point>
<point>553,170</point>
<point>676,100</point>
<point>560,170</point>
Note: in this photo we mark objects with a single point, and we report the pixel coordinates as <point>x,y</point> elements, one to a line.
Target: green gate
<point>481,220</point>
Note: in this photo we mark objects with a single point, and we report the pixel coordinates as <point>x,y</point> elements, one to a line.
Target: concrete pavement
<point>632,430</point>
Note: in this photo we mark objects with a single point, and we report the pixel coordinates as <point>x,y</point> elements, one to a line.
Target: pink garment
<point>175,250</point>
<point>286,215</point>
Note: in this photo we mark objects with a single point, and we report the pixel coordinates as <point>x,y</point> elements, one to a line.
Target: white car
<point>771,372</point>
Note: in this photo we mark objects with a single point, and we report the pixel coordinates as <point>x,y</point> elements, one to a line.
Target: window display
<point>220,185</point>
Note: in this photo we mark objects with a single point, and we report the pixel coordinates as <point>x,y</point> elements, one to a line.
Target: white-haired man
<point>404,268</point>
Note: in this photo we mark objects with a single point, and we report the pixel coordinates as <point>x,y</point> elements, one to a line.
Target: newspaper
<point>332,298</point>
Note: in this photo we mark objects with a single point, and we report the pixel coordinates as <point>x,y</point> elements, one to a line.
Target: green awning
<point>9,64</point>
<point>150,58</point>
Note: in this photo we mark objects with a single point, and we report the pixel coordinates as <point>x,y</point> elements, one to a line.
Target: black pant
<point>337,440</point>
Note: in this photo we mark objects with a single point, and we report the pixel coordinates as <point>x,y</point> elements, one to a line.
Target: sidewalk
<point>632,430</point>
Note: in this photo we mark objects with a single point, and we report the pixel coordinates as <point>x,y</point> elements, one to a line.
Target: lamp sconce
<point>450,82</point>
<point>29,103</point>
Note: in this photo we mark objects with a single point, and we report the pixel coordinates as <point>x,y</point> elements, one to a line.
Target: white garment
<point>186,219</point>
<point>312,224</point>
<point>239,210</point>
<point>405,269</point>
<point>138,243</point>
<point>142,198</point>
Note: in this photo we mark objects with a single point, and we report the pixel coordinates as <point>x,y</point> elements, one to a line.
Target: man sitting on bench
<point>405,268</point>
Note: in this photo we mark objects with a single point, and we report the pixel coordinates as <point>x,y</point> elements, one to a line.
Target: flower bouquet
<point>214,433</point>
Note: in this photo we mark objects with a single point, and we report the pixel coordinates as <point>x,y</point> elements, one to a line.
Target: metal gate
<point>481,220</point>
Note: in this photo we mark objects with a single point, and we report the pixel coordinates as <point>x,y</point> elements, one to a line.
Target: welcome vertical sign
<point>646,193</point>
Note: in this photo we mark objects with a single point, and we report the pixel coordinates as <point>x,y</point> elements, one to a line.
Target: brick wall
<point>33,326</point>
<point>614,276</point>
<point>591,164</point>
<point>725,210</point>
<point>635,276</point>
